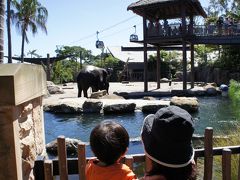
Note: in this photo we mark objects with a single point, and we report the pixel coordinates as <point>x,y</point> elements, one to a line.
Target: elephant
<point>94,77</point>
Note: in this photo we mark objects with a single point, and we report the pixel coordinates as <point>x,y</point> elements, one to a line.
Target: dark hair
<point>185,173</point>
<point>109,140</point>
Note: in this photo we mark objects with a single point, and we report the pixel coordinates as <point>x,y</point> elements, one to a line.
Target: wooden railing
<point>175,30</point>
<point>46,169</point>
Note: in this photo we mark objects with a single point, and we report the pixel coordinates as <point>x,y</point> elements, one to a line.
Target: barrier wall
<point>22,136</point>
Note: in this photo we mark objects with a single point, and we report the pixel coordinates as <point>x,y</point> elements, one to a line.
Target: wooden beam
<point>158,67</point>
<point>145,54</point>
<point>165,48</point>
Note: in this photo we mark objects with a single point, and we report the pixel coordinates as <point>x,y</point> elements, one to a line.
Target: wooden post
<point>62,157</point>
<point>238,167</point>
<point>183,13</point>
<point>48,68</point>
<point>145,54</point>
<point>158,67</point>
<point>2,21</point>
<point>81,161</point>
<point>226,164</point>
<point>208,153</point>
<point>48,170</point>
<point>129,161</point>
<point>192,66</point>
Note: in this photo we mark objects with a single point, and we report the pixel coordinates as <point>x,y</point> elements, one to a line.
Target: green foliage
<point>233,139</point>
<point>77,52</point>
<point>110,62</point>
<point>234,91</point>
<point>201,53</point>
<point>170,62</point>
<point>64,71</point>
<point>230,58</point>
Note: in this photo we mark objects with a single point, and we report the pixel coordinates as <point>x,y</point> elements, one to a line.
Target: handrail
<point>175,30</point>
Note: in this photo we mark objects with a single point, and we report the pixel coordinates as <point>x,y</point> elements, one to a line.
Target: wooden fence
<point>45,169</point>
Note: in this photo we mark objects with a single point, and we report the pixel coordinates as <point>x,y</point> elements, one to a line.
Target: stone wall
<point>31,133</point>
<point>22,136</point>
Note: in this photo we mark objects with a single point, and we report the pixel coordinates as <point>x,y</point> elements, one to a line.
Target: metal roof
<point>166,9</point>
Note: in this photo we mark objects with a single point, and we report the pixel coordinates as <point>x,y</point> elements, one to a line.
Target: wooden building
<point>184,32</point>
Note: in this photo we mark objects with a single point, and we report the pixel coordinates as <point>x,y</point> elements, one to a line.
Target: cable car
<point>99,44</point>
<point>134,37</point>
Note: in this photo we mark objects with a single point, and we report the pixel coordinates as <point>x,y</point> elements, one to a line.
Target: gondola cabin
<point>99,44</point>
<point>133,37</point>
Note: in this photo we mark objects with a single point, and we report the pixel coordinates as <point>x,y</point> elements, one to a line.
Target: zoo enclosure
<point>46,169</point>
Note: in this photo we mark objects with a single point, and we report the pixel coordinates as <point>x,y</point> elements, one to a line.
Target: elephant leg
<point>85,93</point>
<point>79,90</point>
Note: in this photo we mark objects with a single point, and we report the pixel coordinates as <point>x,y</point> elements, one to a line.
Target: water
<point>216,112</point>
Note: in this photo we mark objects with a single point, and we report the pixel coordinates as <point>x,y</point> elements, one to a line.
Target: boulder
<point>68,105</point>
<point>119,108</point>
<point>71,146</point>
<point>63,108</point>
<point>92,106</point>
<point>112,96</point>
<point>149,98</point>
<point>190,104</point>
<point>211,90</point>
<point>152,108</point>
<point>98,95</point>
<point>54,89</point>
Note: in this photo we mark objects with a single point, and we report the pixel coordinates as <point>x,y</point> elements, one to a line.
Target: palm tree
<point>2,10</point>
<point>33,53</point>
<point>30,14</point>
<point>9,31</point>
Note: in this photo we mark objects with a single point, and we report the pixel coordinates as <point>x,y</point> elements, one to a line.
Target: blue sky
<point>76,22</point>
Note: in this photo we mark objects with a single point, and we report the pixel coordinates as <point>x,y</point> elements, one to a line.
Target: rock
<point>149,98</point>
<point>164,80</point>
<point>92,106</point>
<point>112,96</point>
<point>190,104</point>
<point>54,89</point>
<point>98,95</point>
<point>210,90</point>
<point>119,108</point>
<point>64,106</point>
<point>152,108</point>
<point>71,146</point>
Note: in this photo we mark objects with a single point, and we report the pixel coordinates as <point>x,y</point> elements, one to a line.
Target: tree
<point>30,14</point>
<point>2,8</point>
<point>9,12</point>
<point>33,53</point>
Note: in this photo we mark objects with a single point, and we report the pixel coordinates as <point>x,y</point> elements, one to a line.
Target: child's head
<point>109,141</point>
<point>167,137</point>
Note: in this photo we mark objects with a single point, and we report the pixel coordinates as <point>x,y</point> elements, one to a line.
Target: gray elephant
<point>94,77</point>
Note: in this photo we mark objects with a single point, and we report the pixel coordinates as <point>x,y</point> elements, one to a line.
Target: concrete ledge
<point>21,83</point>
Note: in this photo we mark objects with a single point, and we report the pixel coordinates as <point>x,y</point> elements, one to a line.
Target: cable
<point>110,27</point>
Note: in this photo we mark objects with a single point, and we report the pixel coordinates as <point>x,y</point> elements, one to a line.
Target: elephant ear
<point>103,75</point>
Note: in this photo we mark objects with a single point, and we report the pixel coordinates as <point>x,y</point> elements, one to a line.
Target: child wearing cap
<point>109,142</point>
<point>167,140</point>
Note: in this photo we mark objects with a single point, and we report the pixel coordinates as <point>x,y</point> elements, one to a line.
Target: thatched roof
<point>166,9</point>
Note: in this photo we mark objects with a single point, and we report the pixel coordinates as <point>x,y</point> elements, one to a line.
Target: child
<point>167,140</point>
<point>109,142</point>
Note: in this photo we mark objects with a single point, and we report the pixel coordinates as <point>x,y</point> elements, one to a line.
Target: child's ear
<point>125,152</point>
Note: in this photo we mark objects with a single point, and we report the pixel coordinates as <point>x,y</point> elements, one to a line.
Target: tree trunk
<point>22,50</point>
<point>2,12</point>
<point>9,31</point>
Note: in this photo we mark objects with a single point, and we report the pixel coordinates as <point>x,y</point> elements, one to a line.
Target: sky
<point>75,23</point>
